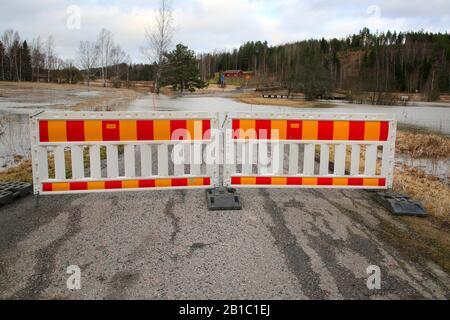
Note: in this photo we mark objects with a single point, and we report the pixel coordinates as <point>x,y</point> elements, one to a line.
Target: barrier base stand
<point>222,199</point>
<point>399,204</point>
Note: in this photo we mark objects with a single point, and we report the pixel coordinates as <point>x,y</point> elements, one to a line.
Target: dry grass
<point>22,172</point>
<point>423,145</point>
<point>432,193</point>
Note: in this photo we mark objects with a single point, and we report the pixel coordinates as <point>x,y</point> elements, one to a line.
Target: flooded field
<point>14,112</point>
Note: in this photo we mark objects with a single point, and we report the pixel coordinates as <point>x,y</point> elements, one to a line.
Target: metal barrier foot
<point>399,204</point>
<point>222,199</point>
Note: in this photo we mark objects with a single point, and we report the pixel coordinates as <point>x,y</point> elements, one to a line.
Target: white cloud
<point>205,25</point>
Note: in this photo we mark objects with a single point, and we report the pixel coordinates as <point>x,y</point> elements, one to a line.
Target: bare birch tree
<point>88,56</point>
<point>37,57</point>
<point>158,38</point>
<point>50,55</point>
<point>105,43</point>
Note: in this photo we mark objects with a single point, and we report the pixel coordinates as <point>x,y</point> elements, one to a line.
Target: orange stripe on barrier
<point>62,186</point>
<point>340,131</point>
<point>195,129</point>
<point>310,181</point>
<point>279,181</point>
<point>98,185</point>
<point>313,130</point>
<point>125,184</point>
<point>340,182</point>
<point>248,129</point>
<point>128,130</point>
<point>130,184</point>
<point>93,130</point>
<point>161,129</point>
<point>57,131</point>
<point>372,182</point>
<point>279,130</point>
<point>372,131</point>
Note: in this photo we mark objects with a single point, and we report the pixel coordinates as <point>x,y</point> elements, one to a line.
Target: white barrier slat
<point>277,158</point>
<point>178,159</point>
<point>130,160</point>
<point>163,160</point>
<point>339,159</point>
<point>112,161</point>
<point>247,157</point>
<point>371,160</point>
<point>42,163</point>
<point>293,159</point>
<point>95,162</point>
<point>324,159</point>
<point>146,160</point>
<point>77,162</point>
<point>196,158</point>
<point>385,161</point>
<point>60,163</point>
<point>308,159</point>
<point>263,158</point>
<point>354,163</point>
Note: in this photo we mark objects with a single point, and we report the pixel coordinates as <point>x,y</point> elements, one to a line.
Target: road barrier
<point>309,150</point>
<point>78,152</point>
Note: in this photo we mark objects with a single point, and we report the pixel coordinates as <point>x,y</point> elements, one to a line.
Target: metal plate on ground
<point>400,205</point>
<point>17,188</point>
<point>223,199</point>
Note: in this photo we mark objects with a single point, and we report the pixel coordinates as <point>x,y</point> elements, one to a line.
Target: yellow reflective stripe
<point>195,182</point>
<point>340,181</point>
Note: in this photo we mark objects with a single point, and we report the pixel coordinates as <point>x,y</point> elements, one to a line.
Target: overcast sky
<point>205,25</point>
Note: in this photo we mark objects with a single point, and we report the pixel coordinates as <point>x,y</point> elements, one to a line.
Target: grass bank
<point>255,98</point>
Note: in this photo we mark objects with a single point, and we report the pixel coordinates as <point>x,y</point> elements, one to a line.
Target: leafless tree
<point>50,55</point>
<point>159,37</point>
<point>37,57</point>
<point>88,56</point>
<point>105,43</point>
<point>11,40</point>
<point>118,56</point>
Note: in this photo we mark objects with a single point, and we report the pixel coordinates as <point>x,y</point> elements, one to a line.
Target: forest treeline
<point>413,62</point>
<point>375,62</point>
<point>37,60</point>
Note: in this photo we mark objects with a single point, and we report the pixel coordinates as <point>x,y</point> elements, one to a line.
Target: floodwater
<point>14,135</point>
<point>435,118</point>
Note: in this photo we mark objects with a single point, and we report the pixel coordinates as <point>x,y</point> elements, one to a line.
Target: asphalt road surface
<point>284,244</point>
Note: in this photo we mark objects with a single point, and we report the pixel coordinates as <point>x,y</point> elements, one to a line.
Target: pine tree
<point>182,70</point>
<point>26,62</point>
